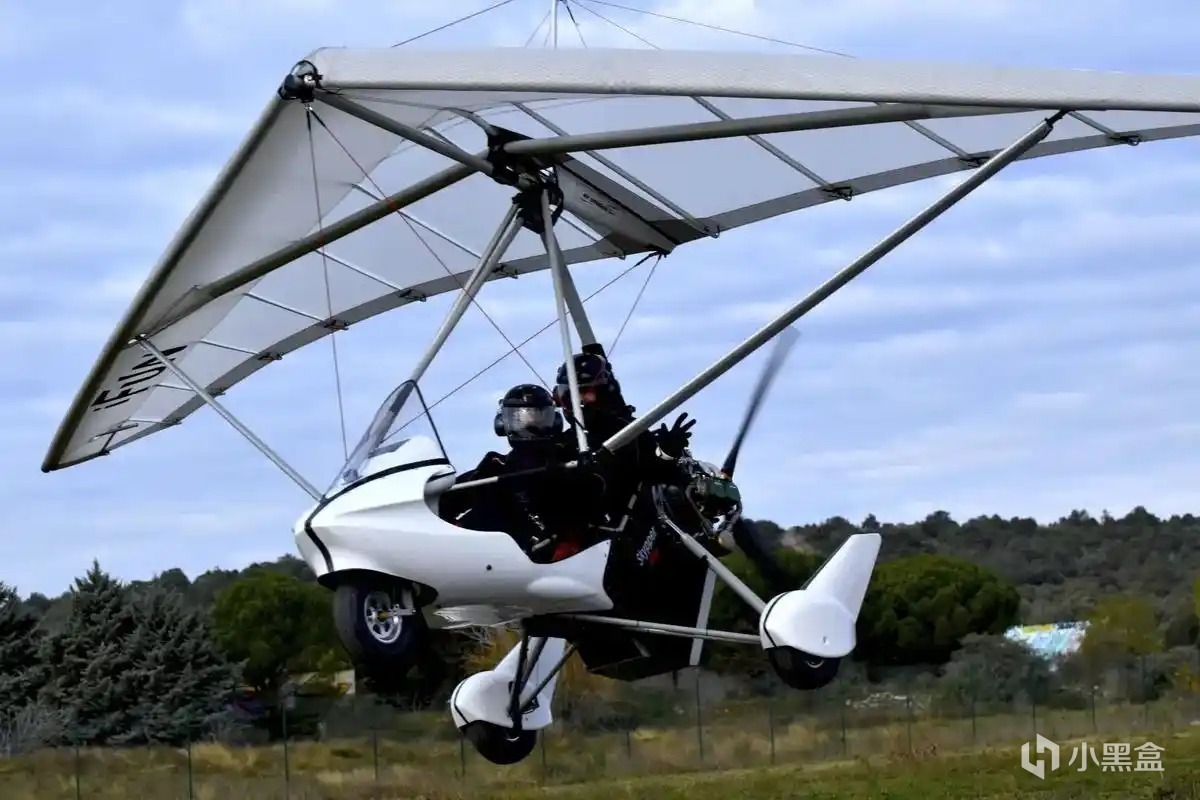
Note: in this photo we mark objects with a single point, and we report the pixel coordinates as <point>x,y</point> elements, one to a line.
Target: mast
<point>554,23</point>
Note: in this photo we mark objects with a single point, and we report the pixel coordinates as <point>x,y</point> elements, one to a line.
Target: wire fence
<point>355,747</point>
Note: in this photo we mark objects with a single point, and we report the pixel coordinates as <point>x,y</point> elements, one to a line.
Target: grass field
<point>730,757</point>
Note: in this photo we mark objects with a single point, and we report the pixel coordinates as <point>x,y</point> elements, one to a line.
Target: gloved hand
<point>674,440</point>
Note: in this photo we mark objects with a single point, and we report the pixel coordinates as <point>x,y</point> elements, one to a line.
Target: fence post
<point>1033,703</point>
<point>974,715</point>
<point>78,773</point>
<point>843,701</point>
<point>771,721</point>
<point>629,744</point>
<point>1145,694</point>
<point>191,784</point>
<point>287,766</point>
<point>908,712</point>
<point>699,720</point>
<point>375,746</point>
<point>462,758</point>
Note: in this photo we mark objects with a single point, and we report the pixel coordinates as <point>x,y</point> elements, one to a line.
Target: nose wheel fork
<point>378,623</point>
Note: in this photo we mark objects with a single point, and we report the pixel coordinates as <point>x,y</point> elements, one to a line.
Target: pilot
<point>650,458</point>
<point>547,508</point>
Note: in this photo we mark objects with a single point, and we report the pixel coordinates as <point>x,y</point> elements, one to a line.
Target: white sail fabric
<point>266,200</point>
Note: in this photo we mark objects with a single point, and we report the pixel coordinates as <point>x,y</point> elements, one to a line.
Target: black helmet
<point>597,384</point>
<point>527,413</point>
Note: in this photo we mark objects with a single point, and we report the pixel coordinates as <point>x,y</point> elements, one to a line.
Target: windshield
<point>402,432</point>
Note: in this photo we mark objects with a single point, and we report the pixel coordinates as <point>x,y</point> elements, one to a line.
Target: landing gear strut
<point>501,710</point>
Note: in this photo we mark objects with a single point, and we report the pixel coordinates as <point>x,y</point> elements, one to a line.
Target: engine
<point>706,505</point>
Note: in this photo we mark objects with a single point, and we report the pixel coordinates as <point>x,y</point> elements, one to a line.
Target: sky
<point>1028,354</point>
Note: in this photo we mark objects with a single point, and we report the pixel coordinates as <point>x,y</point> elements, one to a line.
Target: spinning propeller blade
<point>784,344</point>
<point>745,535</point>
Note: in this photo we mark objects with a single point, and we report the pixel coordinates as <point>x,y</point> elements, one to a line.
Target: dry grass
<point>424,767</point>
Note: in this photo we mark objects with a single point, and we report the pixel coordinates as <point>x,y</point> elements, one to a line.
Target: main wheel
<point>379,632</point>
<point>801,670</point>
<point>497,744</point>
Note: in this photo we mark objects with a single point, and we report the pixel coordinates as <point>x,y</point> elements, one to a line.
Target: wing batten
<point>620,202</point>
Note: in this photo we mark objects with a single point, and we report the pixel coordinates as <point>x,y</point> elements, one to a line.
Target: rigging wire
<point>474,301</point>
<point>636,300</point>
<point>575,22</point>
<point>711,27</point>
<point>535,30</point>
<point>333,330</point>
<point>527,340</point>
<point>618,25</point>
<point>452,23</point>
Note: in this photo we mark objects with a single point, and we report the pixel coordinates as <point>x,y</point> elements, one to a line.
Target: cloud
<point>1027,354</point>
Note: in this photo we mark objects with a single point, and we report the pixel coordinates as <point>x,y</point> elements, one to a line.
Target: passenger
<point>651,458</point>
<point>547,506</point>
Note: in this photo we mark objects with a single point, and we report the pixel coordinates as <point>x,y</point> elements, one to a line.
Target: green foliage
<point>1122,625</point>
<point>918,609</point>
<point>276,625</point>
<point>85,664</point>
<point>992,671</point>
<point>126,667</point>
<point>1060,568</point>
<point>19,642</point>
<point>179,680</point>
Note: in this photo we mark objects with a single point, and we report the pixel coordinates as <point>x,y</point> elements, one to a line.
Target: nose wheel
<point>380,625</point>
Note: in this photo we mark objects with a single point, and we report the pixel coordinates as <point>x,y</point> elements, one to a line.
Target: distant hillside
<point>1060,568</point>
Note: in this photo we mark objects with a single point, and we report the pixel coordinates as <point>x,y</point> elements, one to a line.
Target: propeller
<point>744,534</point>
<point>782,346</point>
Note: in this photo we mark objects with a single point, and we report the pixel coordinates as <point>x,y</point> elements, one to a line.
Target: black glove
<point>673,441</point>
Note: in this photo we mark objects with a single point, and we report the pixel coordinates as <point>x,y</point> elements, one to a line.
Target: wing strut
<point>559,271</point>
<point>822,293</point>
<point>228,416</point>
<point>491,256</point>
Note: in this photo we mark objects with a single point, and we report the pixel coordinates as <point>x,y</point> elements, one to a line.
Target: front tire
<point>498,744</point>
<point>801,670</point>
<point>378,638</point>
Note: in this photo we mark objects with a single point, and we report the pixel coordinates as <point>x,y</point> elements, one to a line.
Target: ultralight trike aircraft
<point>498,163</point>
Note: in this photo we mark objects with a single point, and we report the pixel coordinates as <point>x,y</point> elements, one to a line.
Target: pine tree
<point>19,640</point>
<point>86,662</point>
<point>180,680</point>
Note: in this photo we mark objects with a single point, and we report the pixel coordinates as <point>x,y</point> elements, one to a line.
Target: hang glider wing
<point>655,149</point>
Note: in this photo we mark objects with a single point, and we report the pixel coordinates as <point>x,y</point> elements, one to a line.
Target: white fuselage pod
<point>387,523</point>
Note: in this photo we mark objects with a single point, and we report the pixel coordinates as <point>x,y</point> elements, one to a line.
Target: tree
<point>181,682</point>
<point>918,609</point>
<point>991,672</point>
<point>1118,627</point>
<point>19,641</point>
<point>86,664</point>
<point>275,626</point>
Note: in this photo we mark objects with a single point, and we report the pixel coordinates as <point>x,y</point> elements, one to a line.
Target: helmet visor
<point>523,422</point>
